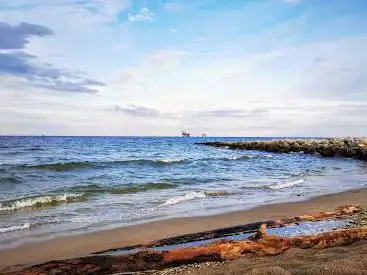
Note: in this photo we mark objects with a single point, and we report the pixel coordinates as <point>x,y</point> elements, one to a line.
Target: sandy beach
<point>342,260</point>
<point>81,245</point>
<point>183,137</point>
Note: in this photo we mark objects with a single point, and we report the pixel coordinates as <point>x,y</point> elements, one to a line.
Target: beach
<point>183,137</point>
<point>82,245</point>
<point>54,187</point>
<point>139,197</point>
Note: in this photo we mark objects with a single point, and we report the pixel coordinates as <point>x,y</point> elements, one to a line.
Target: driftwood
<point>219,251</point>
<point>339,213</point>
<point>265,245</point>
<point>260,244</point>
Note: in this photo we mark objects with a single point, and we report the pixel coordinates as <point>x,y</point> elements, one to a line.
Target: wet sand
<point>80,245</point>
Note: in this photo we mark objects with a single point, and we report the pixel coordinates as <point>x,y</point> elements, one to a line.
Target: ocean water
<point>52,186</point>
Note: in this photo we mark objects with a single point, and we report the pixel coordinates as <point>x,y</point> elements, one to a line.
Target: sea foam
<point>174,160</point>
<point>286,184</point>
<point>15,228</point>
<point>39,201</point>
<point>186,197</point>
<point>242,157</point>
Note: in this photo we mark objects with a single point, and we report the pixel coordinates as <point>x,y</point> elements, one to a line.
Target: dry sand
<point>80,245</point>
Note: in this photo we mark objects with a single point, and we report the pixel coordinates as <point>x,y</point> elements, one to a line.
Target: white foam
<point>248,157</point>
<point>39,201</point>
<point>286,184</point>
<point>186,197</point>
<point>15,228</point>
<point>240,157</point>
<point>170,160</point>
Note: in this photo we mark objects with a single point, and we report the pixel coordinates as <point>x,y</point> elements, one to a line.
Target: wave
<point>40,201</point>
<point>218,193</point>
<point>186,197</point>
<point>68,166</point>
<point>35,149</point>
<point>239,157</point>
<point>10,179</point>
<point>195,195</point>
<point>125,189</point>
<point>286,184</point>
<point>247,157</point>
<point>61,166</point>
<point>15,228</point>
<point>177,160</point>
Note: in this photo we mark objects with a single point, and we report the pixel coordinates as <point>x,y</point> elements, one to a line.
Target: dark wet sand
<point>80,245</point>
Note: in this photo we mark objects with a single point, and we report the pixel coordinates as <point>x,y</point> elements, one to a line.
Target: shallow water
<point>64,185</point>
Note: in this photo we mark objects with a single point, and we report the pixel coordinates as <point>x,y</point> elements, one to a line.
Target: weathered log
<point>338,213</point>
<point>265,246</point>
<point>218,251</point>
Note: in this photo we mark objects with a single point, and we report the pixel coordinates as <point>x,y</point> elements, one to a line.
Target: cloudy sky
<point>156,67</point>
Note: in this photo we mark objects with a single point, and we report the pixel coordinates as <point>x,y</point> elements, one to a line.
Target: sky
<point>156,67</point>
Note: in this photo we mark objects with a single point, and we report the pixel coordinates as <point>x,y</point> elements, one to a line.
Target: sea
<point>59,186</point>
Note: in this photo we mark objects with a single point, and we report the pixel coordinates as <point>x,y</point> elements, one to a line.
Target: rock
<point>341,147</point>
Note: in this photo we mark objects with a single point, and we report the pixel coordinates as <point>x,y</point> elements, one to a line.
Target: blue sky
<point>156,67</point>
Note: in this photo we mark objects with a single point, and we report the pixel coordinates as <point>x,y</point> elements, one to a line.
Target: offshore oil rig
<point>185,134</point>
<point>188,134</point>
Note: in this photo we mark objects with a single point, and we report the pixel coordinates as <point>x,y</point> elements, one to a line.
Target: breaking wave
<point>40,201</point>
<point>286,184</point>
<point>195,195</point>
<point>15,228</point>
<point>186,197</point>
<point>169,160</point>
<point>247,157</point>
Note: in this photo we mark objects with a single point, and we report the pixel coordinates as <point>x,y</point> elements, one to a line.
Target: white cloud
<point>143,15</point>
<point>152,67</point>
<point>167,59</point>
<point>104,10</point>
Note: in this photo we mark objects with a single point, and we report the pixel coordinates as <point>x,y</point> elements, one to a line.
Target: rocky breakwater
<point>331,147</point>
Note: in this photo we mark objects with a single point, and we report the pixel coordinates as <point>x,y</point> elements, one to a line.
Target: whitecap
<point>177,160</point>
<point>286,184</point>
<point>248,157</point>
<point>39,201</point>
<point>15,228</point>
<point>240,157</point>
<point>186,197</point>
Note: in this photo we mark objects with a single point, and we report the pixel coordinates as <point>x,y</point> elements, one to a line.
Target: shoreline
<point>84,244</point>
